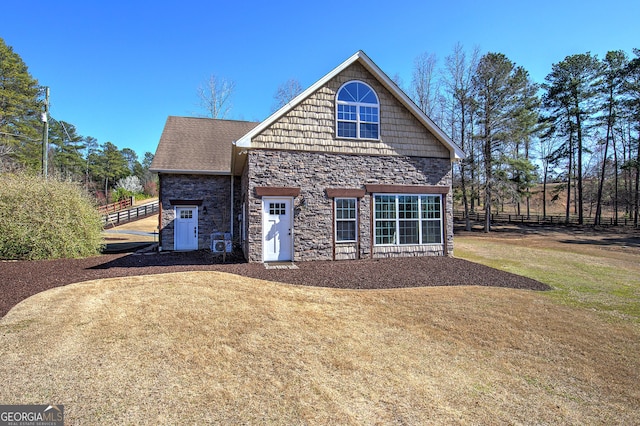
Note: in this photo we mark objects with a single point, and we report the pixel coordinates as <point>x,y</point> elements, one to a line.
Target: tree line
<point>102,168</point>
<point>579,128</point>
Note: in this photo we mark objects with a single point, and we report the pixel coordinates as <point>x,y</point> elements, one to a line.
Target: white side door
<point>277,229</point>
<point>186,228</point>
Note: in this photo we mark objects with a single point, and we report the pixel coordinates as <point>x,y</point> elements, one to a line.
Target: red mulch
<point>19,280</point>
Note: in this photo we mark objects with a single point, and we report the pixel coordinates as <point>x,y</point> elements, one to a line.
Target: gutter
<point>191,172</point>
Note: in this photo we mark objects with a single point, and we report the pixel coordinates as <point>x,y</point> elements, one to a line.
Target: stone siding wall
<point>213,191</point>
<point>313,218</point>
<point>311,125</point>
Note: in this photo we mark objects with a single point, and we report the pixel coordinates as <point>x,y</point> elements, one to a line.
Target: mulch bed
<point>19,280</point>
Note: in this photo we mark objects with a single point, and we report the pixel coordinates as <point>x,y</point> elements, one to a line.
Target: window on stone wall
<point>346,219</point>
<point>357,112</point>
<point>407,219</point>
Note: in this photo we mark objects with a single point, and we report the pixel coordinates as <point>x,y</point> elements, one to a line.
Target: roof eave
<point>191,172</point>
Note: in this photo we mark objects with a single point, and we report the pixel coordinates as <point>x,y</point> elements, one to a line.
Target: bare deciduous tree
<point>215,96</point>
<point>457,82</point>
<point>397,79</point>
<point>286,92</point>
<point>424,83</point>
<point>6,152</point>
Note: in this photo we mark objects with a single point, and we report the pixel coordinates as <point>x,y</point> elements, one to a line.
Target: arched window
<point>358,111</point>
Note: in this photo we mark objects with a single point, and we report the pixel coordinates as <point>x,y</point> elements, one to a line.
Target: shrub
<point>46,219</point>
<point>120,194</point>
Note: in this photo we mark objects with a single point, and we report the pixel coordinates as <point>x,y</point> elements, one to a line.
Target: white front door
<point>186,228</point>
<point>277,229</point>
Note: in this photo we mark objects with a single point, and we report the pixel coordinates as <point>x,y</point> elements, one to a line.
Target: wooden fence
<point>458,215</point>
<point>114,207</point>
<point>134,213</point>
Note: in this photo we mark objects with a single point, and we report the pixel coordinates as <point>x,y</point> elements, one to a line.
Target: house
<point>351,168</point>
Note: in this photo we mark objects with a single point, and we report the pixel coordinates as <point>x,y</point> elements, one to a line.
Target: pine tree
<point>610,87</point>
<point>20,126</point>
<point>569,98</point>
<point>66,149</point>
<point>500,92</point>
<point>632,103</point>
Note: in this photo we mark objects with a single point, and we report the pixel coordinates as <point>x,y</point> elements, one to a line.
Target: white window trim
<point>335,219</point>
<point>397,220</point>
<point>357,120</point>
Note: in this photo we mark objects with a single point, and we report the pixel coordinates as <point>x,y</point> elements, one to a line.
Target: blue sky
<point>117,69</point>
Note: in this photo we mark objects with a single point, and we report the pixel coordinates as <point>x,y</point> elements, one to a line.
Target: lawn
<point>599,271</point>
<point>208,347</point>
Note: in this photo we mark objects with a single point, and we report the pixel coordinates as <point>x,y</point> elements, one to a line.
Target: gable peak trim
<point>456,152</point>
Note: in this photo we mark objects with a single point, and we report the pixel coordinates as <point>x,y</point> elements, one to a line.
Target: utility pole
<point>45,134</point>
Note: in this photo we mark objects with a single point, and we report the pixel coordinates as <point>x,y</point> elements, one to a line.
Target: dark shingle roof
<point>198,145</point>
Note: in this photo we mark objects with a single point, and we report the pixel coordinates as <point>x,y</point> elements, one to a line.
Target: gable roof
<point>362,58</point>
<point>198,145</point>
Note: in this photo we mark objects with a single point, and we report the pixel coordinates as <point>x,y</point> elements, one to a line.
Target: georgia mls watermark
<point>31,415</point>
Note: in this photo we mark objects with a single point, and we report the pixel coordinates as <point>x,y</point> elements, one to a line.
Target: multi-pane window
<point>431,219</point>
<point>186,214</point>
<point>407,219</point>
<point>346,223</point>
<point>277,208</point>
<point>358,112</point>
<point>385,219</point>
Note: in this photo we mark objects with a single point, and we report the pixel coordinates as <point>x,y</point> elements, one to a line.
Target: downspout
<point>231,218</point>
<point>233,164</point>
<point>160,212</point>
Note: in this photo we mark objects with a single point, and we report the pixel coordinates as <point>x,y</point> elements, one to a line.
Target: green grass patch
<point>603,283</point>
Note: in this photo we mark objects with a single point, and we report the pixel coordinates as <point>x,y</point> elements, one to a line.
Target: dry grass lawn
<point>207,347</point>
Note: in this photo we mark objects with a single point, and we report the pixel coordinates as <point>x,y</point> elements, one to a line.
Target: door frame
<point>175,227</point>
<point>265,201</point>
